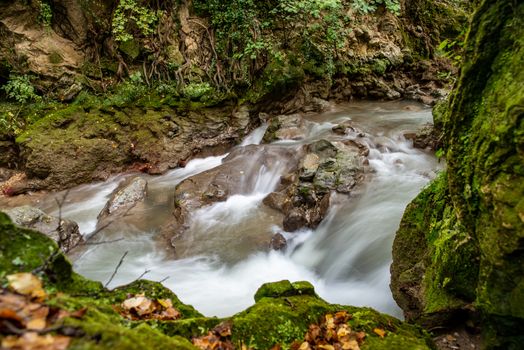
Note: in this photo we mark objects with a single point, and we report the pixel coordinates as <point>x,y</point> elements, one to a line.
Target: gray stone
<point>64,232</point>
<point>126,196</point>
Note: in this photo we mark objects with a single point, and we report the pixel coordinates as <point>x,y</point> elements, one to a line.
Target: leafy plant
<point>45,15</point>
<point>130,90</point>
<point>369,6</point>
<point>195,91</point>
<point>129,17</point>
<point>20,89</point>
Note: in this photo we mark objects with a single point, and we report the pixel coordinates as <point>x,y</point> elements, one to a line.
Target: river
<point>220,259</point>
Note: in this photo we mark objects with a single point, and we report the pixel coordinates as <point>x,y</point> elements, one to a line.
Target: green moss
<point>474,251</point>
<point>55,58</point>
<point>281,315</point>
<point>379,66</point>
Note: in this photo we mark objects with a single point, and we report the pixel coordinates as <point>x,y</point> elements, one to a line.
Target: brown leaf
<point>360,337</point>
<point>168,314</point>
<point>36,324</point>
<point>79,313</point>
<point>26,284</point>
<point>380,332</point>
<point>223,329</point>
<point>351,345</point>
<point>33,341</point>
<point>342,317</point>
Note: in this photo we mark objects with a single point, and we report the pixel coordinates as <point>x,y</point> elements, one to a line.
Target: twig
<point>109,223</point>
<point>143,274</point>
<point>60,228</point>
<point>163,280</point>
<point>101,242</point>
<point>116,269</point>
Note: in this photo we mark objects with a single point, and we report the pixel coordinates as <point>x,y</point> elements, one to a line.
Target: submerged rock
<point>64,232</point>
<point>239,173</point>
<point>426,138</point>
<point>128,193</point>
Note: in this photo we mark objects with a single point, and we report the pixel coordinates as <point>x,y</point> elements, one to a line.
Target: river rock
<point>304,197</point>
<point>285,127</point>
<point>128,193</point>
<point>278,242</point>
<point>426,138</point>
<point>64,232</point>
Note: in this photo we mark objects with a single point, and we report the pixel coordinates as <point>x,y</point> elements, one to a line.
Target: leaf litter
<point>26,321</point>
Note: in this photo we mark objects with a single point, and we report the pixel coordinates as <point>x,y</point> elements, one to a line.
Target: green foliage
<point>131,18</point>
<point>369,6</point>
<point>20,89</point>
<point>130,90</point>
<point>245,33</point>
<point>45,15</point>
<point>452,49</point>
<point>197,91</point>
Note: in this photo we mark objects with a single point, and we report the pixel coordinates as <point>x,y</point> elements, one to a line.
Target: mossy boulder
<point>90,139</point>
<point>284,311</point>
<point>461,242</point>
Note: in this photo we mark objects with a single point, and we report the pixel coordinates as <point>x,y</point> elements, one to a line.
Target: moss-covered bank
<point>460,246</point>
<point>282,313</point>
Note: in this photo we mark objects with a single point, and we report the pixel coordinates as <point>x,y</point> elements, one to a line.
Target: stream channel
<point>224,257</point>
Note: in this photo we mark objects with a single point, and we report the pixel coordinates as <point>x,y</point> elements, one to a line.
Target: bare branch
<point>116,268</point>
<point>163,280</point>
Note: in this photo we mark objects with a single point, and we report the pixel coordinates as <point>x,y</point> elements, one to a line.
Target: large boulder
<point>64,232</point>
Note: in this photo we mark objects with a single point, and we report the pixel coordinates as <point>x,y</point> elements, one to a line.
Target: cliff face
<point>460,246</point>
<point>339,49</point>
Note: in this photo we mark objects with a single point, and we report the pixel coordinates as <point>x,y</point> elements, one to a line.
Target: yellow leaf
<point>304,346</point>
<point>165,303</point>
<point>27,284</point>
<point>380,332</point>
<point>326,347</point>
<point>36,324</point>
<point>351,345</point>
<point>343,330</point>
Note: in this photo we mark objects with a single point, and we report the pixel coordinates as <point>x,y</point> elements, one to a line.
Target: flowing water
<point>223,259</point>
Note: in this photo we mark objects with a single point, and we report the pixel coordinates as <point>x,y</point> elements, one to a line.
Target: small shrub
<point>45,15</point>
<point>20,89</point>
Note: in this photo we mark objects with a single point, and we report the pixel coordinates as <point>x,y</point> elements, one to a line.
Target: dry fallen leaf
<point>139,307</point>
<point>27,284</point>
<point>33,341</point>
<point>333,333</point>
<point>380,332</point>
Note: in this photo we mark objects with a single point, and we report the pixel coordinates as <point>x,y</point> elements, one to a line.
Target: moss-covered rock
<point>462,240</point>
<point>284,311</point>
<point>91,138</point>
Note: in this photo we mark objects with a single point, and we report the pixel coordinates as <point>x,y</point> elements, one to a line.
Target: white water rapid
<point>224,259</point>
